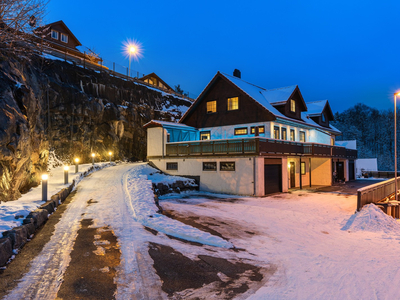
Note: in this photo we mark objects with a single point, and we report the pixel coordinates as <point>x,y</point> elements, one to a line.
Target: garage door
<point>272,179</point>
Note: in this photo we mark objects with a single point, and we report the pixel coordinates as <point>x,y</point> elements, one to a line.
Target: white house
<point>243,139</point>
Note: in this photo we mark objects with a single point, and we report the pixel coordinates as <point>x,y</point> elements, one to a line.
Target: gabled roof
<point>157,123</point>
<point>42,28</point>
<point>158,78</point>
<point>316,108</point>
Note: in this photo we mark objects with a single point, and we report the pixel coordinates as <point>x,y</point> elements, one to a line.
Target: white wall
<point>155,138</point>
<point>321,171</point>
<point>368,164</point>
<point>228,132</point>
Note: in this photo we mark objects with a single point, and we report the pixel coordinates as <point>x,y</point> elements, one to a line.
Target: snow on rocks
<point>372,218</point>
<point>140,196</point>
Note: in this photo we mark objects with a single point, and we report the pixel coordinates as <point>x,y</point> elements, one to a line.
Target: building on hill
<point>155,80</point>
<point>243,139</point>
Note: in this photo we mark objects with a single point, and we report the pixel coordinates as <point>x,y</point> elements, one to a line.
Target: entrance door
<point>351,170</point>
<point>292,175</point>
<point>340,170</point>
<point>272,179</point>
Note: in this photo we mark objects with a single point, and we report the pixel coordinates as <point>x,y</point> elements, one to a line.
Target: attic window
<point>64,38</point>
<point>323,117</point>
<point>54,34</point>
<point>211,107</point>
<point>292,105</point>
<point>233,103</point>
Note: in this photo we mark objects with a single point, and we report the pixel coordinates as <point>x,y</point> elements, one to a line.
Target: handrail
<point>375,193</point>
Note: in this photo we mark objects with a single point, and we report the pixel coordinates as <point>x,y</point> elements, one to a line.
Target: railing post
<point>242,146</point>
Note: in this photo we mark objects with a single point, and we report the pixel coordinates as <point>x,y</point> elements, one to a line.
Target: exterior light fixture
<point>45,179</point>
<point>110,153</point>
<point>132,48</point>
<point>76,164</point>
<point>93,155</point>
<point>66,169</point>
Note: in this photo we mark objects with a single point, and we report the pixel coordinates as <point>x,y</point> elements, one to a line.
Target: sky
<point>344,51</point>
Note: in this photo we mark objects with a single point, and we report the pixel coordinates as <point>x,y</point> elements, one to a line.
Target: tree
<point>18,18</point>
<point>180,91</point>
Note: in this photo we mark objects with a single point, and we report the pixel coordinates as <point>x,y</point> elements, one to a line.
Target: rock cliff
<point>54,105</point>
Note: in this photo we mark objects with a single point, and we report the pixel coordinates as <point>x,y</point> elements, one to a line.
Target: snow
<point>315,107</point>
<point>347,144</point>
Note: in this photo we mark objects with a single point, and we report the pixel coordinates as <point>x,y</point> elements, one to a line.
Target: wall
<point>155,138</point>
<point>228,132</point>
<point>321,171</point>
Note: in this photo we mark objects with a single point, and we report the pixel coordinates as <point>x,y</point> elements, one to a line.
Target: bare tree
<point>18,18</point>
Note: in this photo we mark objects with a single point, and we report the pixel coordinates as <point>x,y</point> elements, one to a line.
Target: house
<point>62,42</point>
<point>240,138</point>
<point>155,80</point>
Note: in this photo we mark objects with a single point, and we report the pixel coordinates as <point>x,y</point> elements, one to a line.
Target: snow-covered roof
<point>305,117</point>
<point>276,96</point>
<point>157,123</point>
<point>316,107</point>
<point>347,144</point>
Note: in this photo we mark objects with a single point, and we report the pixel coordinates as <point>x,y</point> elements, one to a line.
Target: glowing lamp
<point>45,177</point>
<point>66,168</point>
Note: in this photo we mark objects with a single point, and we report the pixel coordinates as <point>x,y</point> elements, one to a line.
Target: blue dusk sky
<point>345,51</point>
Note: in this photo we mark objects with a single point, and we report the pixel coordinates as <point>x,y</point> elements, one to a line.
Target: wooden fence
<point>376,192</point>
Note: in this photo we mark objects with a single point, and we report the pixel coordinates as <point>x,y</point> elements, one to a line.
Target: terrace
<point>257,146</point>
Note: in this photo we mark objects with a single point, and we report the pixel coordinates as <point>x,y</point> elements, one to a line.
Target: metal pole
<point>129,69</point>
<point>44,190</point>
<point>76,167</point>
<point>395,149</point>
<point>65,176</point>
<point>93,160</point>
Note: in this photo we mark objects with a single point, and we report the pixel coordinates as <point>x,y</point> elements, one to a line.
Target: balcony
<point>256,146</point>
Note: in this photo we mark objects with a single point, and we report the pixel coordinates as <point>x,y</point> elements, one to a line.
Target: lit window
<point>211,107</point>
<point>64,38</point>
<point>292,135</point>
<point>227,166</point>
<point>205,135</point>
<point>303,168</point>
<point>332,141</point>
<point>276,132</point>
<point>284,134</point>
<point>172,166</point>
<point>292,105</point>
<point>54,34</point>
<point>233,103</point>
<point>261,129</point>
<point>302,136</point>
<point>209,166</point>
<point>240,131</point>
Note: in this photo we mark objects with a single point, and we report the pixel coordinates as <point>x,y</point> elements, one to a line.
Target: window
<point>302,136</point>
<point>54,34</point>
<point>211,107</point>
<point>205,135</point>
<point>323,118</point>
<point>233,103</point>
<point>292,105</point>
<point>261,129</point>
<point>292,135</point>
<point>64,38</point>
<point>284,134</point>
<point>303,168</point>
<point>209,166</point>
<point>226,166</point>
<point>276,132</point>
<point>241,131</point>
<point>168,138</point>
<point>332,141</point>
<point>172,166</point>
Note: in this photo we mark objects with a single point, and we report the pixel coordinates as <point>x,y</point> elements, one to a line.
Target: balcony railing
<point>256,146</point>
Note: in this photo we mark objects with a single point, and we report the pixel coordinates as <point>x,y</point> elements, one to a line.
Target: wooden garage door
<point>272,179</point>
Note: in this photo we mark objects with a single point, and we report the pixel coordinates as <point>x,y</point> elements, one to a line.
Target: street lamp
<point>110,153</point>
<point>66,169</point>
<point>93,155</point>
<point>45,178</point>
<point>132,51</point>
<point>395,146</point>
<point>132,48</point>
<point>76,164</point>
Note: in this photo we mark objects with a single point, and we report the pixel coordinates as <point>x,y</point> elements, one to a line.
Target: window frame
<point>209,163</point>
<point>241,128</point>
<point>229,169</point>
<point>63,35</point>
<point>206,133</point>
<point>169,164</point>
<point>303,168</point>
<point>304,135</point>
<point>56,34</point>
<point>294,135</point>
<point>210,111</point>
<point>253,129</point>
<point>323,119</point>
<point>292,105</point>
<point>277,129</point>
<point>227,104</point>
<point>283,129</point>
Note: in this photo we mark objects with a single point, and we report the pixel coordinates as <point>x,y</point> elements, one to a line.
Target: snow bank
<point>372,218</point>
<point>140,198</point>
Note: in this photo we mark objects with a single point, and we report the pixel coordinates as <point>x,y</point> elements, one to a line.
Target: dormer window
<point>64,38</point>
<point>292,105</point>
<point>211,107</point>
<point>323,117</point>
<point>54,34</point>
<point>233,103</point>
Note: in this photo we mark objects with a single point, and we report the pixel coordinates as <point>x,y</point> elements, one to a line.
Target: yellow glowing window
<point>302,136</point>
<point>284,134</point>
<point>240,131</point>
<point>261,129</point>
<point>292,105</point>
<point>303,168</point>
<point>233,103</point>
<point>211,107</point>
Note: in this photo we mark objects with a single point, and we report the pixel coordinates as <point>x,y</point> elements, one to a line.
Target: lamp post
<point>395,146</point>
<point>110,153</point>
<point>132,50</point>
<point>76,164</point>
<point>66,169</point>
<point>93,155</point>
<point>45,178</point>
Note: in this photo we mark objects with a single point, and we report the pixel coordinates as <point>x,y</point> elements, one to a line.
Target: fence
<point>376,192</point>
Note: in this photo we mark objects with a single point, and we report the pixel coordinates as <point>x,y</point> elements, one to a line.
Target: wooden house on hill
<point>155,80</point>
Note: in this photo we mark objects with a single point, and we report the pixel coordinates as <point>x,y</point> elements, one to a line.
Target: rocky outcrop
<point>51,104</point>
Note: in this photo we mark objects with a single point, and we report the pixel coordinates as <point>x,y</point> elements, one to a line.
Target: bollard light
<point>76,164</point>
<point>93,155</point>
<point>45,178</point>
<point>110,153</point>
<point>66,169</point>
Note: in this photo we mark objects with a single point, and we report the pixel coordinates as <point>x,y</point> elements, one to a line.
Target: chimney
<point>237,74</point>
